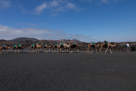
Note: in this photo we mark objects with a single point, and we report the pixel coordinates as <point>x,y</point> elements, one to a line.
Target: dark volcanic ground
<point>67,72</point>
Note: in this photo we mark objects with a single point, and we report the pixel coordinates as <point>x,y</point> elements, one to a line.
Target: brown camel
<point>107,45</point>
<point>39,46</point>
<point>64,46</point>
<point>46,46</point>
<point>76,46</point>
<point>20,47</point>
<point>1,49</point>
<point>33,47</point>
<point>56,46</point>
<point>14,48</point>
<point>6,47</point>
<point>93,46</point>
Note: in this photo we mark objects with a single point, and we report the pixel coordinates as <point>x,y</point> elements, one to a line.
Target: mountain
<point>34,40</point>
<point>2,40</point>
<point>23,39</point>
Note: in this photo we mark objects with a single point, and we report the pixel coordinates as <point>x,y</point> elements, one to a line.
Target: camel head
<point>71,43</point>
<point>9,46</point>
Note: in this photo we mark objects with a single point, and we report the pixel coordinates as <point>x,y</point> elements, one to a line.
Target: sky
<point>85,20</point>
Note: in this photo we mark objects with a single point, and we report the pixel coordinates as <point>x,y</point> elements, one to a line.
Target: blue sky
<point>85,20</point>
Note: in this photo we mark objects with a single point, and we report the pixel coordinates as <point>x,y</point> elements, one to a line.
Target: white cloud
<point>11,33</point>
<point>54,3</point>
<point>4,4</point>
<point>71,6</point>
<point>86,1</point>
<point>110,1</point>
<point>60,9</point>
<point>56,6</point>
<point>105,1</point>
<point>40,8</point>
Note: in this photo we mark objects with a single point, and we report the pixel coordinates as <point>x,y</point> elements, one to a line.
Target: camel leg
<point>12,50</point>
<point>100,50</point>
<point>1,51</point>
<point>78,50</point>
<point>106,50</point>
<point>96,51</point>
<point>92,51</point>
<point>88,50</point>
<point>110,51</point>
<point>71,50</point>
<point>57,50</point>
<point>44,50</point>
<point>49,50</point>
<point>65,50</point>
<point>60,50</point>
<point>36,50</point>
<point>7,51</point>
<point>40,49</point>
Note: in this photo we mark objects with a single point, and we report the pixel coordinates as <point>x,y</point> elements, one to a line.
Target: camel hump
<point>19,45</point>
<point>62,43</point>
<point>56,44</point>
<point>33,45</point>
<point>93,43</point>
<point>15,45</point>
<point>75,43</point>
<point>113,43</point>
<point>4,45</point>
<point>106,42</point>
<point>45,45</point>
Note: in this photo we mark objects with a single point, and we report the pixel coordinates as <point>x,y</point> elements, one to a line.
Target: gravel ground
<point>68,72</point>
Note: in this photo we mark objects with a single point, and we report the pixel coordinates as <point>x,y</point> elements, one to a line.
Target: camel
<point>93,46</point>
<point>14,47</point>
<point>107,45</point>
<point>6,47</point>
<point>46,46</point>
<point>20,47</point>
<point>33,47</point>
<point>64,46</point>
<point>39,46</point>
<point>1,49</point>
<point>75,45</point>
<point>56,46</point>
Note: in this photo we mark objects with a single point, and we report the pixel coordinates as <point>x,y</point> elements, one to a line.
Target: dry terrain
<point>68,72</point>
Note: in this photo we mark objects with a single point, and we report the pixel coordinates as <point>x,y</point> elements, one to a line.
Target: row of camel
<point>59,47</point>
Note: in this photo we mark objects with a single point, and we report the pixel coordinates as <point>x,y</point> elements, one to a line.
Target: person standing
<point>127,47</point>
